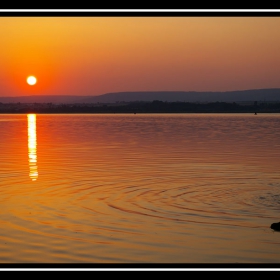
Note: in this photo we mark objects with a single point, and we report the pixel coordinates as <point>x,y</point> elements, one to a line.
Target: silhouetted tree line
<point>155,106</point>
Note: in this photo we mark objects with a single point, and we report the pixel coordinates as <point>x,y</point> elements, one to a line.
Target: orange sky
<point>96,54</point>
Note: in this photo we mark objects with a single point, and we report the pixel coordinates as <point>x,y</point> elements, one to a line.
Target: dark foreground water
<point>140,188</point>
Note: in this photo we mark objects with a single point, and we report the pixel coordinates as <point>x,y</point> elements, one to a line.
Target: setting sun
<point>31,80</point>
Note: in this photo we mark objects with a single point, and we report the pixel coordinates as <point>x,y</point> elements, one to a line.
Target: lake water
<point>139,189</point>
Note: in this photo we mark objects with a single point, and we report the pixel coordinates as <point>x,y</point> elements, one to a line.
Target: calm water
<point>144,188</point>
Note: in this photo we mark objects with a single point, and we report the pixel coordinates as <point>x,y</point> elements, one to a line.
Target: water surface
<point>140,188</point>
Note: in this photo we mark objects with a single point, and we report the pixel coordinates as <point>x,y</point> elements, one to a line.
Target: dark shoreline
<point>140,107</point>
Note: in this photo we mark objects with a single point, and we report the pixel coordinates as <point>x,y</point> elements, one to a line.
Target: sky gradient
<point>97,55</point>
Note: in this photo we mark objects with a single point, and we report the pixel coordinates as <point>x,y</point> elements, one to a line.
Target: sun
<point>31,80</point>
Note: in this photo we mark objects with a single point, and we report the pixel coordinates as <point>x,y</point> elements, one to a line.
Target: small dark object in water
<point>275,226</point>
<point>255,113</point>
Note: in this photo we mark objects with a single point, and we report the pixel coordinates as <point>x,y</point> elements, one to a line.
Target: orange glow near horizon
<point>97,55</point>
<point>32,147</point>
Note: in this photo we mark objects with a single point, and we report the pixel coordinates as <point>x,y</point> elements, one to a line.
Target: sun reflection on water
<point>32,147</point>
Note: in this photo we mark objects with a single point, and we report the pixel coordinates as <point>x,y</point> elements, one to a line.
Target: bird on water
<point>275,226</point>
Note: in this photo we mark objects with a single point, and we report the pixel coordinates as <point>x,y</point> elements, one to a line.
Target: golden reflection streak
<point>32,147</point>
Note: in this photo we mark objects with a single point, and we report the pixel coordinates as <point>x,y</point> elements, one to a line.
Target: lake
<point>171,189</point>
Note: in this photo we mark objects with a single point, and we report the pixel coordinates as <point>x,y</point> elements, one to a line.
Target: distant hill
<point>188,96</point>
<point>260,95</point>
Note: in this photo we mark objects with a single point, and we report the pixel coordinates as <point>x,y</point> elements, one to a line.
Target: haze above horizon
<point>98,55</point>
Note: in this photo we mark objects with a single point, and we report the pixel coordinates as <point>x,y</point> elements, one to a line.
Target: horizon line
<point>144,91</point>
